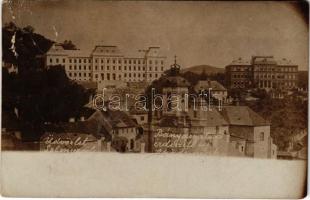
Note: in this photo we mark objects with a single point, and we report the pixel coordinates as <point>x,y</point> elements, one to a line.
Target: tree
<point>39,94</point>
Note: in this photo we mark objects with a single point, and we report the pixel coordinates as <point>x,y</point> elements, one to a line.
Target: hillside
<point>198,69</point>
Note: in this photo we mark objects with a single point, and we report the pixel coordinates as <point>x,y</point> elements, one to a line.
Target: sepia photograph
<point>225,81</point>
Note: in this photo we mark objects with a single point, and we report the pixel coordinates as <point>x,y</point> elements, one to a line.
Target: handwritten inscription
<point>171,141</point>
<point>52,143</point>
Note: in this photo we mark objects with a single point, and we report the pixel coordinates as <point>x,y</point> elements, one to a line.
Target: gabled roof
<point>209,118</point>
<point>80,127</point>
<point>172,121</point>
<point>242,115</point>
<point>119,119</point>
<point>216,86</point>
<point>57,49</point>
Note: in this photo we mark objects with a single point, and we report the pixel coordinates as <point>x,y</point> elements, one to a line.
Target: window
<point>80,61</point>
<point>57,60</point>
<point>142,118</point>
<point>70,67</point>
<point>261,136</point>
<point>150,62</point>
<point>119,68</point>
<point>70,60</point>
<point>63,60</point>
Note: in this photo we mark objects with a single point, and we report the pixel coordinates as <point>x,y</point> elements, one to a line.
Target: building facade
<point>107,66</point>
<point>262,72</point>
<point>230,131</point>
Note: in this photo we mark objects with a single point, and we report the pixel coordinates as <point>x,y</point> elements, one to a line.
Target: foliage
<point>288,116</point>
<point>40,94</point>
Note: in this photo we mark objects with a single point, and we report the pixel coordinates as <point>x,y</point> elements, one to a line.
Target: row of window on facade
<point>114,68</point>
<point>257,68</point>
<point>108,75</point>
<point>240,76</point>
<point>114,61</point>
<point>265,76</point>
<point>239,83</point>
<point>278,76</point>
<point>283,68</point>
<point>269,84</point>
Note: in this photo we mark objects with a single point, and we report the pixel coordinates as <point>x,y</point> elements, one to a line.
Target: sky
<point>212,33</point>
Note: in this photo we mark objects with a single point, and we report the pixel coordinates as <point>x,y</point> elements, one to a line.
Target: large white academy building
<point>107,66</point>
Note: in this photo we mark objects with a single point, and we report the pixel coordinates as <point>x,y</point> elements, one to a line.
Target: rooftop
<point>209,84</point>
<point>243,115</point>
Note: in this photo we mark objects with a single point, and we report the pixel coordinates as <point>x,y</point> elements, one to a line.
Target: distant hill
<point>198,69</point>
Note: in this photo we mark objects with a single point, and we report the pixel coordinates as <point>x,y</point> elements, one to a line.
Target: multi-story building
<point>231,131</point>
<point>262,72</point>
<point>107,66</point>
